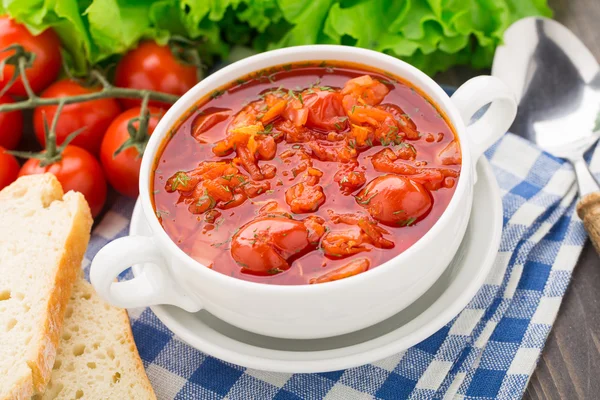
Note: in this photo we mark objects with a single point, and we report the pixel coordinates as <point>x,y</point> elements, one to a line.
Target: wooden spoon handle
<point>588,210</point>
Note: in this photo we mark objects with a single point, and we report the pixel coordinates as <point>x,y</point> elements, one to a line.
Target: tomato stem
<point>24,64</point>
<point>15,60</point>
<point>113,92</point>
<point>108,91</point>
<point>52,153</point>
<point>49,135</point>
<point>138,136</point>
<point>101,79</point>
<point>186,51</point>
<point>142,131</point>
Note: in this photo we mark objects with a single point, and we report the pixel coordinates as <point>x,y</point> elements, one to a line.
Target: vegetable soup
<point>305,173</point>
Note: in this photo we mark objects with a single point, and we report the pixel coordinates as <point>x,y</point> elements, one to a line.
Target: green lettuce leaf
<point>115,26</point>
<point>431,34</point>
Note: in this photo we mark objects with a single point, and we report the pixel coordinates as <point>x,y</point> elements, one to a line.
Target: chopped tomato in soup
<point>306,174</point>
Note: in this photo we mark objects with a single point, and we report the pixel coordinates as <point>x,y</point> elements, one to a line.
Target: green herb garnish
<point>407,222</point>
<point>274,271</point>
<point>181,178</point>
<point>364,201</point>
<point>267,130</point>
<point>160,213</point>
<point>216,94</point>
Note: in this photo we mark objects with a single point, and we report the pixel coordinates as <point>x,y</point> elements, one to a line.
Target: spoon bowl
<point>557,82</point>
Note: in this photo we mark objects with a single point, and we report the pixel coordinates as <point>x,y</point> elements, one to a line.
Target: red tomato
<point>46,47</point>
<point>79,171</point>
<point>95,116</point>
<point>325,111</point>
<point>395,200</point>
<point>153,67</point>
<point>9,169</point>
<point>267,246</point>
<point>11,125</point>
<point>123,171</point>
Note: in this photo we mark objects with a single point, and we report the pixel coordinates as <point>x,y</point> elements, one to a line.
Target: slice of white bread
<point>97,358</point>
<point>43,237</point>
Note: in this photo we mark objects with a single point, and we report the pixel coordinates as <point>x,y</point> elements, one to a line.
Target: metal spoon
<point>557,81</point>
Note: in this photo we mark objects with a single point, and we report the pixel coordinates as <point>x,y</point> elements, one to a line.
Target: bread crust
<point>68,271</point>
<point>138,361</point>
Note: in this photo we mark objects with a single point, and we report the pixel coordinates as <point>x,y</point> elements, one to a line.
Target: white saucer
<point>448,296</point>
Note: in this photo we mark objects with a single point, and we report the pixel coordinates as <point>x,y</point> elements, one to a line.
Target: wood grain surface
<point>569,367</point>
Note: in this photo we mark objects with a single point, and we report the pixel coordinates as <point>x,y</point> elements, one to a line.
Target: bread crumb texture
<point>97,357</point>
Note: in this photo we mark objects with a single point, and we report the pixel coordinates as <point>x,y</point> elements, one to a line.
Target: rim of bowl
<point>360,56</point>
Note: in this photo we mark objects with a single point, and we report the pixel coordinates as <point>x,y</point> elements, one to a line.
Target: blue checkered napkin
<point>488,351</point>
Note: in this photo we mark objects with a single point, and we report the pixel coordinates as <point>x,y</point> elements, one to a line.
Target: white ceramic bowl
<point>306,311</point>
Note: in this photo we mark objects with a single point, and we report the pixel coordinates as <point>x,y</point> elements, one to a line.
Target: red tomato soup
<point>305,173</point>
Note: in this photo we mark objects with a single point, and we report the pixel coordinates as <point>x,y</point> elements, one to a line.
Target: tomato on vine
<point>11,125</point>
<point>75,168</point>
<point>122,168</point>
<point>45,46</point>
<point>94,116</point>
<point>154,67</point>
<point>9,168</point>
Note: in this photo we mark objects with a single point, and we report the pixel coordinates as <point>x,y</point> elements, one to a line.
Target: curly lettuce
<point>431,34</point>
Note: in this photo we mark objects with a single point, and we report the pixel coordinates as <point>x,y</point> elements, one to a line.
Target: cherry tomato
<point>79,171</point>
<point>123,171</point>
<point>95,116</point>
<point>395,200</point>
<point>9,169</point>
<point>153,67</point>
<point>11,125</point>
<point>268,246</point>
<point>46,47</point>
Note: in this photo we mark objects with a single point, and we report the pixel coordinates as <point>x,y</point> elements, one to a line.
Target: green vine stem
<point>138,137</point>
<point>107,91</point>
<point>52,153</point>
<point>21,60</point>
<point>111,92</point>
<point>23,64</point>
<point>20,56</point>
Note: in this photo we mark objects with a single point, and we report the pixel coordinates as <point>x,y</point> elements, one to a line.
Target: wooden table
<point>569,367</point>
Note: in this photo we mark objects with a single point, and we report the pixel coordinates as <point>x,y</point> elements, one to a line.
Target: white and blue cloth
<point>489,351</point>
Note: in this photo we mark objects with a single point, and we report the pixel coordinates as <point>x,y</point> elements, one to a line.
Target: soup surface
<point>305,173</point>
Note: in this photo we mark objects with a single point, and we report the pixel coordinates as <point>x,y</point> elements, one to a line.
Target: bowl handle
<point>495,121</point>
<point>153,286</point>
